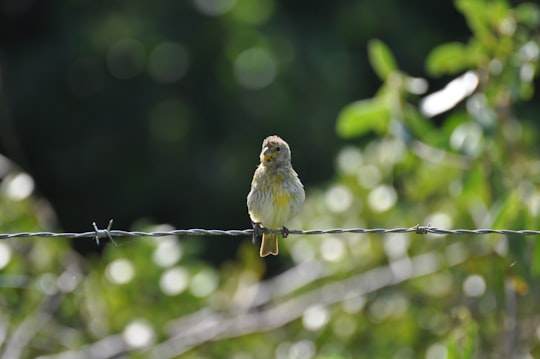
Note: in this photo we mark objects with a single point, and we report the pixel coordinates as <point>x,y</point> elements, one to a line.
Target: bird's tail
<point>269,244</point>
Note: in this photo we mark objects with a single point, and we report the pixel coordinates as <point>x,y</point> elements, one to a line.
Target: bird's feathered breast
<point>276,195</point>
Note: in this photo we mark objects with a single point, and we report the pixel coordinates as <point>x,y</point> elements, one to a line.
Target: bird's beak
<point>266,153</point>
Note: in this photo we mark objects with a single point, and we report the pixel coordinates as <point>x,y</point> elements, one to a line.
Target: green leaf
<point>469,346</point>
<point>418,124</point>
<point>361,117</point>
<point>478,13</point>
<point>447,58</point>
<point>461,344</point>
<point>507,212</point>
<point>528,14</point>
<point>381,58</point>
<point>535,265</point>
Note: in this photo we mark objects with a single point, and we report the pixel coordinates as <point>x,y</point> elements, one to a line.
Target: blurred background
<point>397,114</point>
<point>125,110</point>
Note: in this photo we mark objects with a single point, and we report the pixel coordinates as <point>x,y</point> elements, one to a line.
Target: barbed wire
<point>109,233</point>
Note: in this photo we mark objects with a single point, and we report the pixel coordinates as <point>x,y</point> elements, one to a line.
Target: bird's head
<point>275,151</point>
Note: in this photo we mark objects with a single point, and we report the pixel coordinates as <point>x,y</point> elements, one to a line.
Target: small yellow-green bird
<point>276,194</point>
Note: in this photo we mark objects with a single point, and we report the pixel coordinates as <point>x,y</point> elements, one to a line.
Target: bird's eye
<point>278,149</point>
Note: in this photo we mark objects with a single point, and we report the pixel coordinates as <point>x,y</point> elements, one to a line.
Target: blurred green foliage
<point>128,110</point>
<point>462,156</point>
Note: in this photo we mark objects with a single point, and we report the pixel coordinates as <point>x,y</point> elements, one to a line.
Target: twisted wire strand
<point>109,233</point>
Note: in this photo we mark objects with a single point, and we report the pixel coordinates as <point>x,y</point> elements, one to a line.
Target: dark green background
<point>92,153</point>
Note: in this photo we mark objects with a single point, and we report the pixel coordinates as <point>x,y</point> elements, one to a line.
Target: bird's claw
<point>285,232</point>
<point>257,231</point>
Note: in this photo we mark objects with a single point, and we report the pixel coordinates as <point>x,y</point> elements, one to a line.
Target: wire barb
<point>104,233</point>
<point>422,229</point>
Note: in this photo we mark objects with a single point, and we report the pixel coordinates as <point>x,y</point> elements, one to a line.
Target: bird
<point>276,194</point>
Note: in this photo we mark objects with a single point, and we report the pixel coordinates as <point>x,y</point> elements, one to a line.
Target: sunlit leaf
<point>381,58</point>
<point>361,117</point>
<point>478,13</point>
<point>447,58</point>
